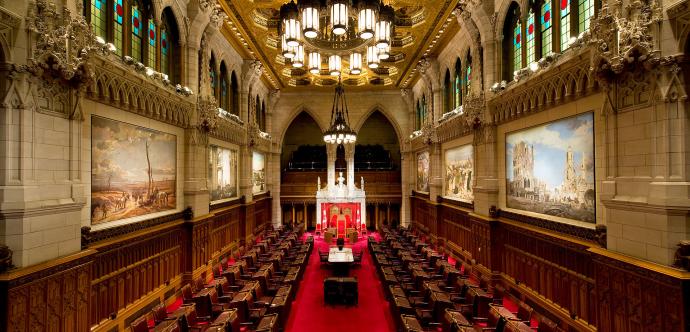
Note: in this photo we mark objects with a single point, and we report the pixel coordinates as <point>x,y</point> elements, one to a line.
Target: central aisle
<point>309,313</point>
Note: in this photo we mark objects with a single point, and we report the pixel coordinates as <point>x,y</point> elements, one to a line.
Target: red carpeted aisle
<point>309,313</point>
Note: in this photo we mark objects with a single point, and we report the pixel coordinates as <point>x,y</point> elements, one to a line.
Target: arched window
<point>257,111</point>
<point>565,24</point>
<point>468,73</point>
<point>457,84</point>
<point>131,27</point>
<point>213,76</point>
<point>545,22</point>
<point>512,46</point>
<point>235,94</point>
<point>447,92</point>
<point>137,27</point>
<point>418,117</point>
<point>263,115</point>
<point>98,15</point>
<point>531,32</point>
<point>585,13</point>
<point>423,113</point>
<point>151,48</point>
<point>224,87</point>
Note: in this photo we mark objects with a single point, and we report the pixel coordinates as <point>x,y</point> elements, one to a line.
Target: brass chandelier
<point>339,131</point>
<point>356,31</point>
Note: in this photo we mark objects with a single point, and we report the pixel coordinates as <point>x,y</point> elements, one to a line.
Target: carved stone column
<point>486,187</point>
<point>350,158</point>
<point>435,170</point>
<point>330,166</point>
<point>196,162</point>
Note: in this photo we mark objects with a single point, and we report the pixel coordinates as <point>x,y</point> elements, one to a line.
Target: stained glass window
<point>530,37</point>
<point>517,45</point>
<point>419,116</point>
<point>565,24</point>
<point>98,16</point>
<point>165,51</point>
<point>457,84</point>
<point>212,75</point>
<point>152,44</point>
<point>223,87</point>
<point>546,28</point>
<point>137,30</point>
<point>585,13</point>
<point>422,118</point>
<point>468,74</point>
<point>118,21</point>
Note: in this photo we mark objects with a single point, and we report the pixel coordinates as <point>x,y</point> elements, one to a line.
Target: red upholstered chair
<point>193,323</point>
<point>524,313</point>
<point>187,294</point>
<point>140,325</point>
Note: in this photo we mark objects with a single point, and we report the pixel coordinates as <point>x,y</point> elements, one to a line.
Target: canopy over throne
<point>340,203</point>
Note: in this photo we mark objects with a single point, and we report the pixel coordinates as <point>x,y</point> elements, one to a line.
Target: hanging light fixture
<point>339,16</point>
<point>383,26</point>
<point>288,51</point>
<point>384,53</point>
<point>290,23</point>
<point>339,131</point>
<point>310,17</point>
<point>314,63</point>
<point>372,57</point>
<point>366,22</point>
<point>334,64</point>
<point>298,60</point>
<point>355,63</point>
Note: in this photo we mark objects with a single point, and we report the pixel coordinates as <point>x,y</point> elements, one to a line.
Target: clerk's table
<point>341,260</point>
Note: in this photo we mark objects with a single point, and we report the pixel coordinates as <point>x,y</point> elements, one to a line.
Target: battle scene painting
<point>459,173</point>
<point>423,171</point>
<point>222,173</point>
<point>550,169</point>
<point>258,173</point>
<point>133,170</point>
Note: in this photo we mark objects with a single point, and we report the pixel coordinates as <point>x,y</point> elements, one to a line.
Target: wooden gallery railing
<point>123,271</point>
<point>566,275</point>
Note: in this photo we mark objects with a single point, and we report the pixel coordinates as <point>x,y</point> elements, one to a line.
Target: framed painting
<point>133,170</point>
<point>550,169</point>
<point>258,173</point>
<point>423,171</point>
<point>222,173</point>
<point>459,173</point>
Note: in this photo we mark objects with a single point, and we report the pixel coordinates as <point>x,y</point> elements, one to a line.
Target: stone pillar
<point>435,170</point>
<point>350,158</point>
<point>486,185</point>
<point>245,178</point>
<point>331,154</point>
<point>196,166</point>
<point>293,214</point>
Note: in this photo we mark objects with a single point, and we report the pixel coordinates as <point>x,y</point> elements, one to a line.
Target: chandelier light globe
<point>384,53</point>
<point>314,63</point>
<point>334,65</point>
<point>355,63</point>
<point>290,25</point>
<point>288,51</point>
<point>310,18</point>
<point>339,16</point>
<point>366,19</point>
<point>383,27</point>
<point>372,57</point>
<point>298,60</point>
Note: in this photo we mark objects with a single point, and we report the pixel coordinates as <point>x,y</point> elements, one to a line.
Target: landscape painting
<point>423,171</point>
<point>459,173</point>
<point>258,173</point>
<point>550,169</point>
<point>222,172</point>
<point>133,170</point>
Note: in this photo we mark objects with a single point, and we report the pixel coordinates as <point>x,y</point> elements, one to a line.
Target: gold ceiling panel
<point>417,22</point>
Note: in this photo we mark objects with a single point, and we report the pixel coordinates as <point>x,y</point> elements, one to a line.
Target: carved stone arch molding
<point>293,115</point>
<point>197,29</point>
<point>501,15</point>
<point>179,16</point>
<point>391,119</point>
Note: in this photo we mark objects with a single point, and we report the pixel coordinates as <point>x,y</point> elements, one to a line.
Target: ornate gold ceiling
<point>254,25</point>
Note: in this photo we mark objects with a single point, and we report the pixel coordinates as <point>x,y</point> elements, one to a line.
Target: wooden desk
<point>410,324</point>
<point>167,326</point>
<point>454,317</point>
<point>517,326</point>
<point>268,323</point>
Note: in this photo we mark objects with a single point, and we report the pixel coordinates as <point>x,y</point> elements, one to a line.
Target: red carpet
<point>309,313</point>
